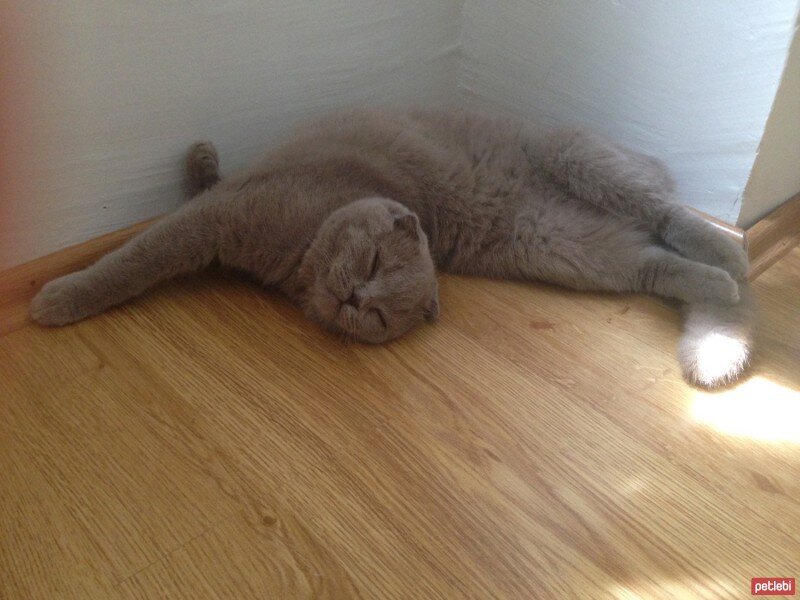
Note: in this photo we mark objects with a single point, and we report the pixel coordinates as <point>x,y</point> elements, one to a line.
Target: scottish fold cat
<point>353,215</point>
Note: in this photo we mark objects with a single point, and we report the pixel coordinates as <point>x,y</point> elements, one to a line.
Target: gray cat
<point>350,217</point>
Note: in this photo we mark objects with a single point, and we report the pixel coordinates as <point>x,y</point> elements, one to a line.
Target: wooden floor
<point>205,441</point>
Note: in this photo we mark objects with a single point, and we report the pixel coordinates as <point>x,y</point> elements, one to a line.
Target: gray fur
<point>470,193</point>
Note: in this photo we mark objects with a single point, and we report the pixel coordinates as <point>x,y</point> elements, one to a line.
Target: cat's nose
<point>354,300</point>
<point>357,298</point>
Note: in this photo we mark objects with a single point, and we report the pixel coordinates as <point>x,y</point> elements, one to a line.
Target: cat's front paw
<point>63,301</point>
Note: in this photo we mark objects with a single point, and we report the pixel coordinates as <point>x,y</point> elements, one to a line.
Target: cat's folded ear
<point>431,310</point>
<point>408,223</point>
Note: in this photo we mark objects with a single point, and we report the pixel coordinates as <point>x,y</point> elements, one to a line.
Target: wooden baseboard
<point>732,231</point>
<point>19,285</point>
<point>767,241</point>
<point>774,236</point>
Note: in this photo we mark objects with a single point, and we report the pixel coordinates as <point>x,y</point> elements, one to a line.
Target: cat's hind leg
<point>630,184</point>
<point>583,248</point>
<point>647,270</point>
<point>201,166</point>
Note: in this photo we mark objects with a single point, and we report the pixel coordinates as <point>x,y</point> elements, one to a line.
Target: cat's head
<point>369,272</point>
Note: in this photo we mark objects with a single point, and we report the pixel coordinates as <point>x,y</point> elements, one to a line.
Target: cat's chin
<point>345,322</point>
<point>367,337</point>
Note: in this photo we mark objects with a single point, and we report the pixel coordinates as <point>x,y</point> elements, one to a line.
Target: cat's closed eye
<point>381,317</point>
<point>373,269</point>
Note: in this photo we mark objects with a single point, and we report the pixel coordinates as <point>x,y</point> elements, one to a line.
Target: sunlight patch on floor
<point>758,409</point>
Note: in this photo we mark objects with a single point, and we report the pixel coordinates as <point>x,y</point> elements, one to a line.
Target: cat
<point>351,217</point>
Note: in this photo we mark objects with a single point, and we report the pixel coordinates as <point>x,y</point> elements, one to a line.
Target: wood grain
<point>206,441</point>
<point>774,236</point>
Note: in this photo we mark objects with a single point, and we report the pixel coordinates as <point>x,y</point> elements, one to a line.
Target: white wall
<point>104,95</point>
<point>116,90</point>
<point>690,81</point>
<point>776,173</point>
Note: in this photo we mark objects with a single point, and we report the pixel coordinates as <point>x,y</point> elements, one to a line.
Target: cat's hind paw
<point>726,254</point>
<point>701,241</point>
<point>202,167</point>
<point>719,287</point>
<point>707,284</point>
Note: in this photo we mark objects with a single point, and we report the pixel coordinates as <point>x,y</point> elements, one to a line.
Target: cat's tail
<point>183,242</point>
<point>717,341</point>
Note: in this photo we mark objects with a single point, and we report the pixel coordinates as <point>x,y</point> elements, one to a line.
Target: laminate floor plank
<point>206,441</point>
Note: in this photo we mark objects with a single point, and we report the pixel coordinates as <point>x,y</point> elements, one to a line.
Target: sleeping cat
<point>350,217</point>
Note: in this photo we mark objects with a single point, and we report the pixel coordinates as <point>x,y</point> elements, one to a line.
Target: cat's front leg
<point>183,242</point>
<point>66,300</point>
